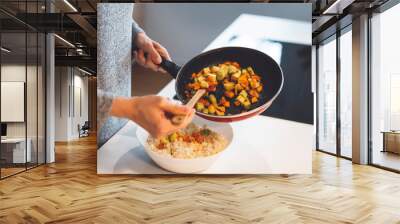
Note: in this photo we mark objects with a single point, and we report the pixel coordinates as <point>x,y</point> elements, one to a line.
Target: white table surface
<point>19,149</point>
<point>261,145</point>
<point>13,140</point>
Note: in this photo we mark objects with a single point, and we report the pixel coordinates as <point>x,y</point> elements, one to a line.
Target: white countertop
<point>261,145</point>
<point>13,140</point>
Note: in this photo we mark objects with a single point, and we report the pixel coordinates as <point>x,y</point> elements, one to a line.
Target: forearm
<point>123,107</point>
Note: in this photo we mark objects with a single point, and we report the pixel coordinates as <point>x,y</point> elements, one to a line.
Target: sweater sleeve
<point>135,29</point>
<point>104,101</point>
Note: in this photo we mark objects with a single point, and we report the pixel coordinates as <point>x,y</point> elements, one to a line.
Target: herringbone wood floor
<point>70,191</point>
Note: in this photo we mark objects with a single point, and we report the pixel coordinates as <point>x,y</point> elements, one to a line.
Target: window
<point>385,89</point>
<point>22,76</point>
<point>346,92</point>
<point>327,96</point>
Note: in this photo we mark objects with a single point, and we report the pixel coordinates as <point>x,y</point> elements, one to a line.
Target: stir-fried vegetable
<point>241,87</point>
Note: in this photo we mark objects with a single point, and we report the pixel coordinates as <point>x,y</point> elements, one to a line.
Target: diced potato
<point>214,69</point>
<point>238,88</point>
<point>212,77</point>
<point>164,140</point>
<point>199,106</point>
<point>229,86</point>
<point>232,69</point>
<point>254,84</point>
<point>211,109</point>
<point>243,93</point>
<point>206,70</point>
<point>254,99</point>
<point>219,113</point>
<point>246,104</point>
<point>250,70</point>
<point>220,76</point>
<point>235,76</point>
<point>173,137</point>
<point>222,73</point>
<point>212,99</point>
<point>259,89</point>
<point>204,84</point>
<point>241,99</point>
<point>205,110</point>
<point>201,79</point>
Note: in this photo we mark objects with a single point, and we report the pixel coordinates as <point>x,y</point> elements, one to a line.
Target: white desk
<point>261,145</point>
<point>18,150</point>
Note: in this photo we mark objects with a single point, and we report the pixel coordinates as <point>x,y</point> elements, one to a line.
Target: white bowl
<point>187,165</point>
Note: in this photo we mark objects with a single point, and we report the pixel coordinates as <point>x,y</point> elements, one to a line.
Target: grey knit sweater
<point>116,33</point>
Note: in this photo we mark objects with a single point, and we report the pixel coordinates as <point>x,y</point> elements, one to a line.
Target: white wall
<point>15,72</point>
<point>182,46</point>
<point>34,125</point>
<point>70,83</point>
<point>81,84</point>
<point>314,90</point>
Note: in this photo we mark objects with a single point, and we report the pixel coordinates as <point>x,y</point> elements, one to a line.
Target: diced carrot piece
<point>229,94</point>
<point>253,93</point>
<point>254,99</point>
<point>243,81</point>
<point>196,86</point>
<point>222,100</point>
<point>236,64</point>
<point>256,77</point>
<point>227,104</point>
<point>212,88</point>
<point>204,102</point>
<point>161,145</point>
<point>236,103</point>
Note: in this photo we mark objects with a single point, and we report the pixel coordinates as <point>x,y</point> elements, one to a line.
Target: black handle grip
<point>170,67</point>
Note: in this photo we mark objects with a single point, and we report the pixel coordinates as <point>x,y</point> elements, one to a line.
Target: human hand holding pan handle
<point>267,68</point>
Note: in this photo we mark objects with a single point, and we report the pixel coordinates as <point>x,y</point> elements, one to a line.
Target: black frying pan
<point>263,65</point>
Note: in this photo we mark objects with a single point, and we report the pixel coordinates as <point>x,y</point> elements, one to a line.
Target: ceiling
<point>75,21</point>
<point>332,15</point>
<point>72,20</point>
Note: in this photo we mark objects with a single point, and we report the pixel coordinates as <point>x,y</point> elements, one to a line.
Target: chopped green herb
<point>205,132</point>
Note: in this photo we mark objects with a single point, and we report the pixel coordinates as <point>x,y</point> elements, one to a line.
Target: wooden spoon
<point>178,119</point>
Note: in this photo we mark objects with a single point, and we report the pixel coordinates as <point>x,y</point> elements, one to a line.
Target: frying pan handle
<point>170,67</point>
